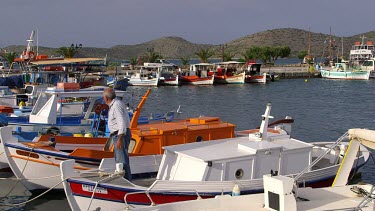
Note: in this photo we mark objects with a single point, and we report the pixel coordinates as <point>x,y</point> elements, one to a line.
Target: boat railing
<point>150,191</point>
<point>329,149</point>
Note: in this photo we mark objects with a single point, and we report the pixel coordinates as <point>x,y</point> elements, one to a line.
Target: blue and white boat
<point>47,111</point>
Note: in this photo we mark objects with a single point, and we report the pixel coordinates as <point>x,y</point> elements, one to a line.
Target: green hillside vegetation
<point>176,47</point>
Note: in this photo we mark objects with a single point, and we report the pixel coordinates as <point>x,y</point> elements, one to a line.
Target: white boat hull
<point>145,82</point>
<point>3,159</point>
<point>200,81</point>
<point>236,79</point>
<point>169,81</point>
<point>24,162</point>
<point>256,79</point>
<point>360,75</point>
<point>30,127</point>
<point>337,198</point>
<point>79,190</point>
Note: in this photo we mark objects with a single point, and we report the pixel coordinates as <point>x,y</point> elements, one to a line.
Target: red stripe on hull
<point>118,195</point>
<point>160,198</point>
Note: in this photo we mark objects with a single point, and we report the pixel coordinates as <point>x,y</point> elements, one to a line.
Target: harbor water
<point>322,109</point>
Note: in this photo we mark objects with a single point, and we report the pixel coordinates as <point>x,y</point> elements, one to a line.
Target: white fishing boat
<point>362,56</point>
<point>48,111</point>
<point>253,74</point>
<point>27,95</point>
<point>341,71</point>
<point>199,74</point>
<point>230,72</point>
<point>280,197</point>
<point>281,193</point>
<point>143,77</point>
<point>44,116</point>
<point>362,50</point>
<point>166,72</point>
<point>207,169</point>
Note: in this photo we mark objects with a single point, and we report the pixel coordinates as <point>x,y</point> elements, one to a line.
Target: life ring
<point>31,55</point>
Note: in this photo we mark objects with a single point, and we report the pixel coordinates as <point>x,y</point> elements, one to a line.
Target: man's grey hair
<point>110,94</point>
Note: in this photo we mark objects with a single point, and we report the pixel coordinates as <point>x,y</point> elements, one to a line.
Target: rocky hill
<point>176,47</point>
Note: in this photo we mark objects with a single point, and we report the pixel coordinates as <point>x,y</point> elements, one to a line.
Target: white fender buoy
<point>236,190</point>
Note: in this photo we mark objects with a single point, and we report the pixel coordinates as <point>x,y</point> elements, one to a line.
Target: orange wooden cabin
<point>149,138</point>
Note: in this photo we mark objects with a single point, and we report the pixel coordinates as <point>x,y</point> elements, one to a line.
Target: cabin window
<point>41,102</point>
<point>29,89</point>
<point>239,174</point>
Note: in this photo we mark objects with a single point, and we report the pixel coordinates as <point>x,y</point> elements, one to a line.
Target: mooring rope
<point>101,174</point>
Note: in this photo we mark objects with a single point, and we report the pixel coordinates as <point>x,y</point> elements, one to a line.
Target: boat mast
<point>330,44</point>
<point>308,43</point>
<point>363,40</point>
<point>342,47</point>
<point>30,41</point>
<point>37,42</point>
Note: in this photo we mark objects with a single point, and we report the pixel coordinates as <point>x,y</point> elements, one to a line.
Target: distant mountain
<point>176,47</point>
<point>297,40</point>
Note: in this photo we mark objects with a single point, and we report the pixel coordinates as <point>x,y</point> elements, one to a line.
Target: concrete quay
<point>286,72</point>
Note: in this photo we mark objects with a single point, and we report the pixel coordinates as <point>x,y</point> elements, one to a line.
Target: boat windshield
<point>42,101</point>
<point>367,63</point>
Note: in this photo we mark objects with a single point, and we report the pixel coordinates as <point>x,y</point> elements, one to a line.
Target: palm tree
<point>133,62</point>
<point>67,52</point>
<point>152,56</point>
<point>9,57</point>
<point>204,55</point>
<point>228,56</point>
<point>185,61</point>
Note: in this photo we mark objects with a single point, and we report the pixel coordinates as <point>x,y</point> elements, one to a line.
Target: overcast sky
<point>105,23</point>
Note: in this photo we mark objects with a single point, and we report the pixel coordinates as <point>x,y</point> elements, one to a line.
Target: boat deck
<point>323,163</point>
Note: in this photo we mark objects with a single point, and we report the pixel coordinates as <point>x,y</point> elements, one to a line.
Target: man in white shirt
<point>118,125</point>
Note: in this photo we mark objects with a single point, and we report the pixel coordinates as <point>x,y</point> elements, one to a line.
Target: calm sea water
<point>323,110</point>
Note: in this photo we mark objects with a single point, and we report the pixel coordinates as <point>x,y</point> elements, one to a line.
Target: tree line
<point>266,54</point>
